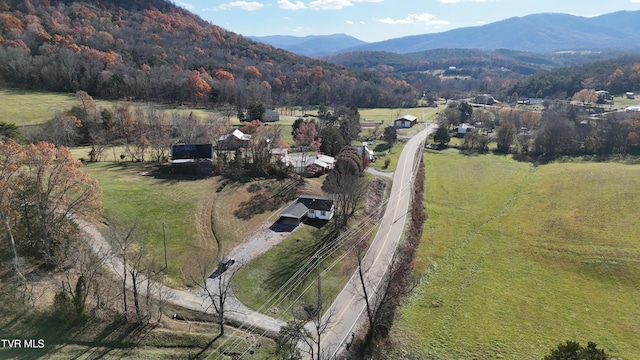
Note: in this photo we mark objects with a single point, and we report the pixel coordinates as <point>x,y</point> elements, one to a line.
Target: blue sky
<point>376,20</point>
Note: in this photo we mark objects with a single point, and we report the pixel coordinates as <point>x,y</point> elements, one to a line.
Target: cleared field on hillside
<point>195,214</point>
<point>517,259</point>
<point>134,192</point>
<point>22,107</point>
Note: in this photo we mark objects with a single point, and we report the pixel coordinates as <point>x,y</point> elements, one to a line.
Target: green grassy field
<point>196,216</point>
<point>517,259</point>
<point>151,196</point>
<point>23,107</point>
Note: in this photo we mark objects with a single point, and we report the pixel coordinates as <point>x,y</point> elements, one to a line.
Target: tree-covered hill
<point>616,76</point>
<point>154,50</point>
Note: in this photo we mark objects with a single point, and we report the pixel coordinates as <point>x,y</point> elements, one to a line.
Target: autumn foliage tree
<point>585,96</point>
<point>197,88</point>
<point>306,136</point>
<point>43,189</point>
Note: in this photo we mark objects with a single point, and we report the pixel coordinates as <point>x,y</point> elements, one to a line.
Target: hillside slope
<point>154,50</point>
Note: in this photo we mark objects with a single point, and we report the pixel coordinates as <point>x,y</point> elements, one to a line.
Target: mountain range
<point>312,45</point>
<point>543,33</point>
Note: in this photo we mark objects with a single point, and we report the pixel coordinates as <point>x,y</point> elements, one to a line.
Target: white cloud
<point>334,4</point>
<point>329,4</point>
<point>478,1</point>
<point>243,5</point>
<point>349,22</point>
<point>414,19</point>
<point>288,5</point>
<point>185,5</point>
<point>298,29</point>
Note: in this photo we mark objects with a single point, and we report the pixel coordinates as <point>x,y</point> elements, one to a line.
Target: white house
<point>463,129</point>
<point>312,207</point>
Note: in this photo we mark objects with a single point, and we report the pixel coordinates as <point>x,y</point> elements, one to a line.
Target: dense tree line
<point>616,76</point>
<point>561,130</point>
<point>157,51</point>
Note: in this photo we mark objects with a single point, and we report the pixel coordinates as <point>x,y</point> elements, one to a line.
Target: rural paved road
<point>348,307</point>
<point>346,312</point>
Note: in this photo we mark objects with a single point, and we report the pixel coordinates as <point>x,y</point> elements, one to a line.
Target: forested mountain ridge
<point>521,62</point>
<point>547,32</point>
<point>154,50</point>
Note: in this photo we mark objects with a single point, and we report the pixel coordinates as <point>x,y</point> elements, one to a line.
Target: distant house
<point>535,101</point>
<point>192,159</point>
<point>234,141</point>
<point>486,99</point>
<point>463,129</point>
<point>364,150</point>
<point>271,116</point>
<point>320,165</point>
<point>406,121</point>
<point>604,97</point>
<point>281,154</point>
<point>312,207</point>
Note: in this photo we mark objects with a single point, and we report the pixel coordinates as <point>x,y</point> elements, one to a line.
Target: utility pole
<point>319,307</point>
<point>164,241</point>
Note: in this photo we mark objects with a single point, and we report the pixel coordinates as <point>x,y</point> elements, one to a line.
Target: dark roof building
<point>192,158</point>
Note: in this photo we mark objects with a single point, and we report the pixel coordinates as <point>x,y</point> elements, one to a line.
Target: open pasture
<point>516,259</point>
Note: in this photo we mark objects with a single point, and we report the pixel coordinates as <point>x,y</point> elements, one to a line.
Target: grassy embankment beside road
<point>517,259</point>
<point>261,278</point>
<point>115,340</point>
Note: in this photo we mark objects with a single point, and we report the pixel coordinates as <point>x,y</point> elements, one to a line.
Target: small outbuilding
<point>271,116</point>
<point>406,121</point>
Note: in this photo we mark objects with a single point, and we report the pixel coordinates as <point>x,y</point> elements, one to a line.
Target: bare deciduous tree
<point>79,279</point>
<point>138,273</point>
<point>216,286</point>
<point>10,162</point>
<point>123,237</point>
